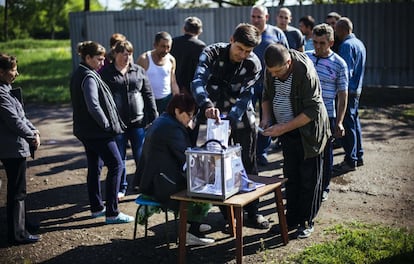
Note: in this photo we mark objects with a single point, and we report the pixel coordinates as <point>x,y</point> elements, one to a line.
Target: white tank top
<point>159,77</point>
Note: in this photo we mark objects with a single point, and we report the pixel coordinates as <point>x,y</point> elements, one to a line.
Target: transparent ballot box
<point>214,171</point>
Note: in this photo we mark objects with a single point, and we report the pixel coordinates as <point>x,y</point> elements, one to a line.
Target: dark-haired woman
<point>96,122</point>
<point>162,163</point>
<point>134,100</point>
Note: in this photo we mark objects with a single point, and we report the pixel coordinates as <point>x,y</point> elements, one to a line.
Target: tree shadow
<point>149,250</point>
<point>386,97</point>
<point>153,249</point>
<point>70,161</point>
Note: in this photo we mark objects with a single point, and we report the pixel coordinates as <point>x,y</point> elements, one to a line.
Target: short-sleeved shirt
<point>333,76</point>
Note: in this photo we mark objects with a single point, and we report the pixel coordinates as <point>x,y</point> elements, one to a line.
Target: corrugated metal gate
<point>384,28</point>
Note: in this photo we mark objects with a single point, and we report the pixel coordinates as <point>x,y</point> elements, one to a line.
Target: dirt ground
<point>380,192</point>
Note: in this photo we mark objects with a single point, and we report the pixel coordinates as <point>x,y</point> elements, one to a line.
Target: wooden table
<point>236,203</point>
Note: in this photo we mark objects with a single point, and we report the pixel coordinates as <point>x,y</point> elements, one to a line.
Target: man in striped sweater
<point>293,110</point>
<point>333,74</point>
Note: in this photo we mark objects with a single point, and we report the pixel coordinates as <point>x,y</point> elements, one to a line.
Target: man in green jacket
<point>293,110</point>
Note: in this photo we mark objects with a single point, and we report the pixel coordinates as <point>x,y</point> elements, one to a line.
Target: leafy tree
<point>40,18</point>
<point>157,4</point>
<point>142,4</point>
<point>145,4</point>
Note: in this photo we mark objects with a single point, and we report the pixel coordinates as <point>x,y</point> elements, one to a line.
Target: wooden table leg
<point>238,211</point>
<point>230,217</point>
<point>281,215</point>
<point>182,232</point>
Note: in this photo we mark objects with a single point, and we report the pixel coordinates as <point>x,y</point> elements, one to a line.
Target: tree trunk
<point>6,19</point>
<point>87,5</point>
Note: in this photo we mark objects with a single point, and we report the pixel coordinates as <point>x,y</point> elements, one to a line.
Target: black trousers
<point>304,185</point>
<point>16,196</point>
<point>247,139</point>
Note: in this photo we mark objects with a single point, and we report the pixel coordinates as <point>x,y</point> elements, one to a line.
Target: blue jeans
<point>352,141</point>
<point>136,138</point>
<point>99,152</point>
<point>263,142</point>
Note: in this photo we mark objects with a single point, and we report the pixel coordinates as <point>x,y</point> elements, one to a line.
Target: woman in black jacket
<point>18,137</point>
<point>96,123</point>
<point>134,100</point>
<point>162,164</point>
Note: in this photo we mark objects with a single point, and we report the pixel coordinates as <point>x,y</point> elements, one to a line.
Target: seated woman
<point>162,163</point>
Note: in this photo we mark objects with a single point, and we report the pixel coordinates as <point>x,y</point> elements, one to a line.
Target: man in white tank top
<point>160,67</point>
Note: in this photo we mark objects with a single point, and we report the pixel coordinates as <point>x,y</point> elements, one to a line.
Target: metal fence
<point>383,27</point>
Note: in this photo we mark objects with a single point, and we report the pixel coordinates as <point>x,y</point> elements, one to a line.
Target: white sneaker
<point>325,195</point>
<point>203,228</point>
<point>304,232</point>
<point>121,195</point>
<point>120,219</point>
<point>192,240</point>
<point>98,214</point>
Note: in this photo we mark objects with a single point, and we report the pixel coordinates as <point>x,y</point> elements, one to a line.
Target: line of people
<point>157,104</point>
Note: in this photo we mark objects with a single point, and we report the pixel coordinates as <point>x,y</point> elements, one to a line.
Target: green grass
<point>361,244</point>
<point>44,67</point>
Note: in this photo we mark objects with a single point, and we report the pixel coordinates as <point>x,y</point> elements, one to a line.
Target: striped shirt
<point>333,75</point>
<point>282,106</point>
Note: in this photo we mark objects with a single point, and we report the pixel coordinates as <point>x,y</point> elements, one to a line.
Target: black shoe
<point>337,144</point>
<point>27,240</point>
<point>32,227</point>
<point>360,163</point>
<point>344,167</point>
<point>305,231</point>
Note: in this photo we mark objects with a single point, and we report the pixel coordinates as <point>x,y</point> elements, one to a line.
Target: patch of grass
<point>361,244</point>
<point>44,67</point>
<point>408,114</point>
